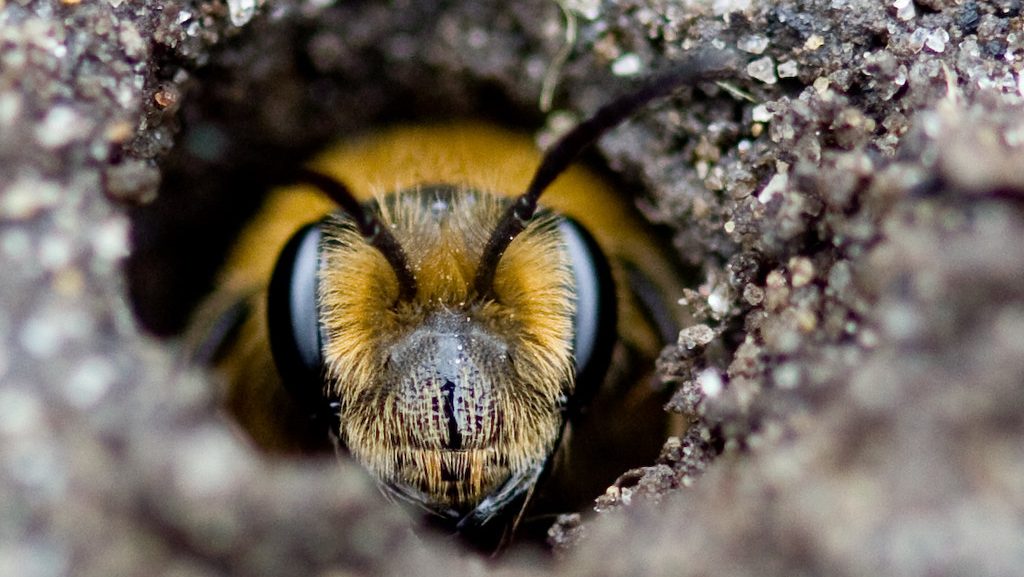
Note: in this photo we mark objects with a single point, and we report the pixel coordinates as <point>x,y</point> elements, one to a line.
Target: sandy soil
<point>849,204</point>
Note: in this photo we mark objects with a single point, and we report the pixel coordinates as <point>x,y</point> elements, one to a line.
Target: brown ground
<point>850,204</point>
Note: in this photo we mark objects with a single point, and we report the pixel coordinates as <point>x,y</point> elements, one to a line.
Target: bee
<point>412,301</point>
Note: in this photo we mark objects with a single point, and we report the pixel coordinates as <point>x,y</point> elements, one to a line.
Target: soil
<point>849,203</point>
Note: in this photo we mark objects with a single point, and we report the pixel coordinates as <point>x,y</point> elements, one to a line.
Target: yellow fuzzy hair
<point>531,314</point>
<point>475,155</point>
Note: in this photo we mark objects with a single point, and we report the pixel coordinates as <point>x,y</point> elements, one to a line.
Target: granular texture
<point>849,204</point>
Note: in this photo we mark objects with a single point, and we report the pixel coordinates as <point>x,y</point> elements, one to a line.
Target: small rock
<point>695,336</point>
<point>763,69</point>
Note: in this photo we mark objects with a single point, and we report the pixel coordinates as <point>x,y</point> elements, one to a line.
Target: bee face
<point>450,421</point>
<point>451,397</point>
<point>442,333</point>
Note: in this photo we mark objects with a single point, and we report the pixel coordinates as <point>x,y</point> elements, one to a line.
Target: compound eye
<point>293,319</point>
<point>594,322</point>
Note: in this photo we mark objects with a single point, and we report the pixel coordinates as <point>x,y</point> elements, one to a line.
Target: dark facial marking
<point>454,436</point>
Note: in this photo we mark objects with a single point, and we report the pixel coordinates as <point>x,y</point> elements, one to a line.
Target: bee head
<point>440,329</point>
<point>453,398</point>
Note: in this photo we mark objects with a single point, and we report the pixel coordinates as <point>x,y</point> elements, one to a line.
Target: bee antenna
<point>704,65</point>
<point>379,237</point>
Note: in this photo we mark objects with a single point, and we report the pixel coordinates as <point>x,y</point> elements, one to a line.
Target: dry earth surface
<point>850,204</point>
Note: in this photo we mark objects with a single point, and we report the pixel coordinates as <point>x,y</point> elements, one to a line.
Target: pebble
<point>763,69</point>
